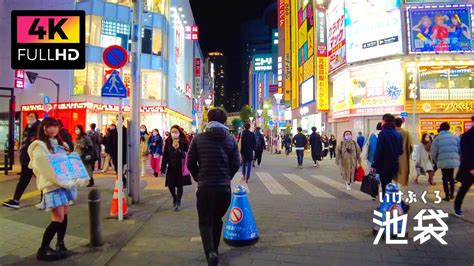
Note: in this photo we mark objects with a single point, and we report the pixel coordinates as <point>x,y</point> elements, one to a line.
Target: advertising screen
<point>446,83</point>
<point>307,91</point>
<point>373,29</point>
<point>440,29</point>
<point>336,35</point>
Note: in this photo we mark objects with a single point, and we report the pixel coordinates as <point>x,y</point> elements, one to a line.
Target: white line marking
<point>342,187</point>
<point>310,188</point>
<point>272,185</point>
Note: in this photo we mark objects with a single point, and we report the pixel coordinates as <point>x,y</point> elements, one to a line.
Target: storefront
<point>363,94</point>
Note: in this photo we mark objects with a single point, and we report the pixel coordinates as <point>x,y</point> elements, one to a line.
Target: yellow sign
<point>443,107</point>
<point>294,54</point>
<point>310,42</point>
<point>302,34</point>
<point>323,84</point>
<point>457,126</point>
<point>287,53</point>
<point>308,69</point>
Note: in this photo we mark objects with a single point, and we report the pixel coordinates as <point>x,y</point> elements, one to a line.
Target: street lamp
<point>208,102</point>
<point>278,97</point>
<point>32,76</point>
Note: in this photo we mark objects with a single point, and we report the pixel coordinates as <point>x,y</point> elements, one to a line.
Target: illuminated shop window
<point>121,2</point>
<point>158,6</point>
<point>89,80</point>
<point>79,81</point>
<point>93,29</point>
<point>146,41</point>
<point>447,83</point>
<point>113,32</point>
<point>151,84</point>
<point>157,44</point>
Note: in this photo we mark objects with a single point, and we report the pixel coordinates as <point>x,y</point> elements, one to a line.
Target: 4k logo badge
<point>48,39</point>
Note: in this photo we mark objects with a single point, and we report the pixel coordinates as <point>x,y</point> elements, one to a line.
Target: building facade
<point>221,89</point>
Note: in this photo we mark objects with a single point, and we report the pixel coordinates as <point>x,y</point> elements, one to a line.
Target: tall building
<point>166,64</point>
<point>221,88</point>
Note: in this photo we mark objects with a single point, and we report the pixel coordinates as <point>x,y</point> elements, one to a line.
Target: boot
<point>47,254</point>
<point>62,250</point>
<point>446,190</point>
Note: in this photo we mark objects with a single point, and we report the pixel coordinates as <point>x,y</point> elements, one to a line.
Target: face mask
<point>77,131</point>
<point>155,134</point>
<point>428,139</point>
<point>112,128</point>
<point>31,121</point>
<point>142,130</point>
<point>348,137</point>
<point>175,135</point>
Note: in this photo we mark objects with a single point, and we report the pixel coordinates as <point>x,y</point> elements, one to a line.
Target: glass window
<point>146,41</point>
<point>93,30</point>
<point>165,46</point>
<point>89,80</point>
<point>447,83</point>
<point>157,42</point>
<point>121,2</point>
<point>79,81</point>
<point>152,84</point>
<point>114,33</point>
<point>158,6</point>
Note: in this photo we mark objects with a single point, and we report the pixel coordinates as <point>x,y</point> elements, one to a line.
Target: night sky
<point>219,24</point>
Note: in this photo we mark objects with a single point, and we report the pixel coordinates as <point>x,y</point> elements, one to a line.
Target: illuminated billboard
<point>336,35</point>
<point>307,91</point>
<point>263,62</point>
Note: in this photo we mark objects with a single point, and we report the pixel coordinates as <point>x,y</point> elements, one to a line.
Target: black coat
<point>172,164</point>
<point>387,153</point>
<point>66,137</point>
<point>29,135</point>
<point>112,146</point>
<point>247,145</point>
<point>300,140</point>
<point>316,145</point>
<point>467,156</point>
<point>213,157</point>
<point>259,142</point>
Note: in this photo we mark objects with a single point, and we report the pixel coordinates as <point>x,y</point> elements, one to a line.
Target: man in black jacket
<point>213,160</point>
<point>259,146</point>
<point>316,146</point>
<point>29,135</point>
<point>300,141</point>
<point>466,169</point>
<point>247,148</point>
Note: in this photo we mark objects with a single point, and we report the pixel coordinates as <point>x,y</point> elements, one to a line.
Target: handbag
<point>359,174</point>
<point>88,154</point>
<point>370,185</point>
<point>184,168</point>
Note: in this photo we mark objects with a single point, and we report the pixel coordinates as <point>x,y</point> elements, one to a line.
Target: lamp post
<point>32,76</point>
<point>208,102</point>
<point>278,97</point>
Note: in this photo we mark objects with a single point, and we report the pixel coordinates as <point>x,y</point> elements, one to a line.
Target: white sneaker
<point>39,206</point>
<point>348,186</point>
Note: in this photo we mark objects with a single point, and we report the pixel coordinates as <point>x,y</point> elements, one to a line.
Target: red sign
<point>281,14</point>
<point>236,215</point>
<point>273,88</point>
<point>115,56</point>
<point>19,82</point>
<point>260,92</point>
<point>194,33</point>
<point>198,67</point>
<point>188,92</point>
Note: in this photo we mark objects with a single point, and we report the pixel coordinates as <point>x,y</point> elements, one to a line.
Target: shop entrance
<point>7,124</point>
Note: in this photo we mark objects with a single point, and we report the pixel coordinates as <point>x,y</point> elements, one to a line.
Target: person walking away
<point>29,135</point>
<point>300,141</point>
<point>247,139</point>
<point>423,160</point>
<point>155,145</point>
<point>404,161</point>
<point>213,160</point>
<point>95,138</point>
<point>370,146</point>
<point>348,158</point>
<point>387,153</point>
<point>360,140</point>
<point>107,157</point>
<point>325,143</point>
<point>64,134</point>
<point>112,144</point>
<point>465,173</point>
<point>56,198</point>
<point>174,164</point>
<point>144,152</point>
<point>332,147</point>
<point>85,149</point>
<point>259,146</point>
<point>445,153</point>
<point>316,146</point>
<point>287,142</point>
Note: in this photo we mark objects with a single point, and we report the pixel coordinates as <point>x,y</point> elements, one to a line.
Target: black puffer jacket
<point>213,157</point>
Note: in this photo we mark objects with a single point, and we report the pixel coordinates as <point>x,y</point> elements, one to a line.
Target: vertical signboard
<point>287,53</point>
<point>179,40</point>
<point>336,35</point>
<point>322,61</point>
<point>19,81</point>
<point>197,75</point>
<point>281,45</point>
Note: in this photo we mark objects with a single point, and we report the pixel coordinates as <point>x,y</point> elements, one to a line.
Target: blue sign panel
<point>46,100</point>
<point>114,87</point>
<point>404,114</point>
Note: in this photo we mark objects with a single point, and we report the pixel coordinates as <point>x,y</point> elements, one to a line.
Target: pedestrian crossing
<point>316,186</point>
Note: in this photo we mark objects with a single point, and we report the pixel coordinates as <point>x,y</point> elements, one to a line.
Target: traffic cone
<point>114,207</point>
<point>241,229</point>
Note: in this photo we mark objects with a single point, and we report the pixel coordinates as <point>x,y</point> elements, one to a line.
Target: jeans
<point>466,185</point>
<point>332,153</point>
<point>212,204</point>
<point>25,177</point>
<point>448,182</point>
<point>246,168</point>
<point>299,156</point>
<point>258,156</point>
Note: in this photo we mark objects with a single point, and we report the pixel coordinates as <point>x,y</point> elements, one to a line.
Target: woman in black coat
<point>174,155</point>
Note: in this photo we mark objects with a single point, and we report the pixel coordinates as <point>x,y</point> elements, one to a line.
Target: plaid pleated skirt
<point>58,197</point>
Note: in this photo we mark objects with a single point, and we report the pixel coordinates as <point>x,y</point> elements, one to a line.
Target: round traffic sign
<point>236,215</point>
<point>46,100</point>
<point>115,56</point>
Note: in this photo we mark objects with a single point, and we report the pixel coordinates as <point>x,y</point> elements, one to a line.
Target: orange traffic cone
<point>114,208</point>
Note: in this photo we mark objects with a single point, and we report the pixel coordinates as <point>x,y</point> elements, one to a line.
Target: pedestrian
<point>465,173</point>
<point>287,142</point>
<point>348,158</point>
<point>370,146</point>
<point>56,198</point>
<point>332,147</point>
<point>259,146</point>
<point>64,134</point>
<point>155,146</point>
<point>279,144</point>
<point>213,160</point>
<point>144,152</point>
<point>95,138</point>
<point>325,143</point>
<point>404,162</point>
<point>316,146</point>
<point>423,160</point>
<point>387,153</point>
<point>458,132</point>
<point>247,147</point>
<point>112,144</point>
<point>445,152</point>
<point>300,141</point>
<point>85,149</point>
<point>107,157</point>
<point>28,136</point>
<point>360,140</point>
<point>174,164</point>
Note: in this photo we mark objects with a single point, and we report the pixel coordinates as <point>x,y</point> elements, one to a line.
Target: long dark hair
<point>81,128</point>
<point>46,123</point>
<point>142,139</point>
<point>423,137</point>
<point>183,139</point>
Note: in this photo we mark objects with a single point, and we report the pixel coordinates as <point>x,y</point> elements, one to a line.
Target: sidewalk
<point>21,230</point>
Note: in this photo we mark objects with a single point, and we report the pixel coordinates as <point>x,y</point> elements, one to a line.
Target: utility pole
<point>135,95</point>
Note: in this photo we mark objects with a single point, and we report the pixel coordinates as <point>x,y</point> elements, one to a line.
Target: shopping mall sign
<point>263,62</point>
<point>441,107</point>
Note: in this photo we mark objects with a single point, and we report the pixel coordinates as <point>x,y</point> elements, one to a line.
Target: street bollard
<point>94,219</point>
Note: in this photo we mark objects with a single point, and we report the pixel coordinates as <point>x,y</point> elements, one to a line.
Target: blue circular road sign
<point>115,56</point>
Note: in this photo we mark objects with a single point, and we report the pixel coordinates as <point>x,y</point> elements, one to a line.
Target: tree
<point>246,112</point>
<point>237,123</point>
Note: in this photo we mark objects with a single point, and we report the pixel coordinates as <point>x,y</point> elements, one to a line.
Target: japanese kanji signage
<point>322,65</point>
<point>19,81</point>
<point>336,35</point>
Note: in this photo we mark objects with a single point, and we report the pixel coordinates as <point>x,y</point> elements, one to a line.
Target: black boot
<point>62,250</point>
<point>47,254</point>
<point>213,259</point>
<point>446,190</point>
<point>178,206</point>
